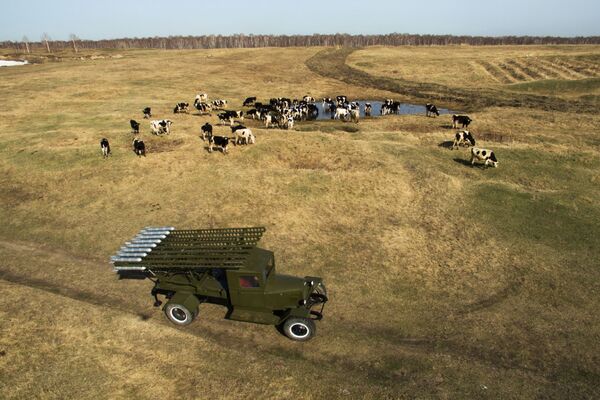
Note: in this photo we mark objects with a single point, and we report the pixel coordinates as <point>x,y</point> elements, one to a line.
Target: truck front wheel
<point>300,329</point>
<point>179,314</point>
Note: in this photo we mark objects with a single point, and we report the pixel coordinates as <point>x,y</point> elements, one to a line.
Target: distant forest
<point>251,41</point>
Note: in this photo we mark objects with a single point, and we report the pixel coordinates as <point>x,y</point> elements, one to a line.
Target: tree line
<point>254,41</point>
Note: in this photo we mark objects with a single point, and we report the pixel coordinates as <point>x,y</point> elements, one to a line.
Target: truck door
<point>246,289</point>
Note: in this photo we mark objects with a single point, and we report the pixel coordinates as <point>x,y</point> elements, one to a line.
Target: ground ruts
<point>331,63</point>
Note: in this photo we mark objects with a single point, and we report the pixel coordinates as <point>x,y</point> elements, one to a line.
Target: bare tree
<point>26,41</point>
<point>45,39</point>
<point>73,37</point>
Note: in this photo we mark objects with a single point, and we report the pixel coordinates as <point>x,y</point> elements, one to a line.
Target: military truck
<point>221,266</point>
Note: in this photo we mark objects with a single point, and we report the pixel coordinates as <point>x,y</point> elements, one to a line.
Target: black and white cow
<point>147,112</point>
<point>207,130</point>
<point>341,113</point>
<point>244,136</point>
<point>105,147</point>
<point>341,100</point>
<point>462,120</point>
<point>308,99</point>
<point>219,103</point>
<point>463,137</point>
<point>181,108</point>
<point>225,117</point>
<point>139,147</point>
<point>431,109</point>
<point>253,113</point>
<point>390,106</point>
<point>160,126</point>
<point>368,109</point>
<point>201,97</point>
<point>288,122</point>
<point>219,141</point>
<point>355,114</point>
<point>249,101</point>
<point>233,114</point>
<point>135,126</point>
<point>483,155</point>
<point>202,107</point>
<point>272,119</point>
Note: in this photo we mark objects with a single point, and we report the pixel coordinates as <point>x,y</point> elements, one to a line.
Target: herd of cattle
<point>282,112</point>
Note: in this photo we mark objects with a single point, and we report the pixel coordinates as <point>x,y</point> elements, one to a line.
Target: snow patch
<point>11,63</point>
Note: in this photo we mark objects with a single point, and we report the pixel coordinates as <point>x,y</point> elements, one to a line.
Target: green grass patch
<point>537,218</point>
<point>558,86</point>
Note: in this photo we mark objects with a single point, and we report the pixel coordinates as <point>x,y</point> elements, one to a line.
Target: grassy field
<point>446,280</point>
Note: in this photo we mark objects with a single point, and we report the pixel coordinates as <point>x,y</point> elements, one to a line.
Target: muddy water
<point>405,109</point>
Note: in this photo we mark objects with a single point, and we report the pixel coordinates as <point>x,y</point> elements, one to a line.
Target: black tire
<point>299,329</point>
<point>179,314</point>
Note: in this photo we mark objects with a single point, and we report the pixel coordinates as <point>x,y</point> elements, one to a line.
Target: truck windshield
<point>270,266</point>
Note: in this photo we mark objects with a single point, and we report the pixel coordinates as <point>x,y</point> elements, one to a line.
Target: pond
<point>405,109</point>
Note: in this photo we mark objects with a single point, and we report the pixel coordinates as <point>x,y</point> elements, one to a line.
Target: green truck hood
<point>284,283</point>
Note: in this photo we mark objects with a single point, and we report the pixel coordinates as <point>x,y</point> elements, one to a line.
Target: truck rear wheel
<point>299,329</point>
<point>179,314</point>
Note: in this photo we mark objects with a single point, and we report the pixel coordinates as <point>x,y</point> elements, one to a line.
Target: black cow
<point>313,111</point>
<point>463,137</point>
<point>249,101</point>
<point>147,112</point>
<point>181,108</point>
<point>431,109</point>
<point>135,126</point>
<point>161,126</point>
<point>105,147</point>
<point>206,130</point>
<point>461,119</point>
<point>331,107</point>
<point>139,147</point>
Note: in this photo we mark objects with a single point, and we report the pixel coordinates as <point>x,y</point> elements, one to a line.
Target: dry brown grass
<point>446,281</point>
<point>457,66</point>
